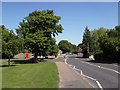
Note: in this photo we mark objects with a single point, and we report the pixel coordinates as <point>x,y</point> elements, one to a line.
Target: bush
<point>98,57</point>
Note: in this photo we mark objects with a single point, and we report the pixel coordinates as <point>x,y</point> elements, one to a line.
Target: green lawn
<point>39,75</point>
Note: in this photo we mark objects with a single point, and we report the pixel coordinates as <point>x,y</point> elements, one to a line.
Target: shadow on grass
<point>29,61</point>
<point>7,65</point>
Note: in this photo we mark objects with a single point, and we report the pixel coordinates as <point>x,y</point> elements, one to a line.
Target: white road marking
<point>115,65</point>
<point>102,67</point>
<point>99,85</point>
<point>90,77</point>
<point>86,76</point>
<point>74,67</point>
<point>65,60</point>
<point>81,72</point>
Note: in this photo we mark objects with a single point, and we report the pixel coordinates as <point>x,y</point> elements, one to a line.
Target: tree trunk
<point>36,59</point>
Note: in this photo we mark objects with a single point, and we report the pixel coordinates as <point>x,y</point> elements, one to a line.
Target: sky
<point>75,16</point>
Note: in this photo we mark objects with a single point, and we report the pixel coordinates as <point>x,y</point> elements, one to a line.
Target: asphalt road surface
<point>100,75</point>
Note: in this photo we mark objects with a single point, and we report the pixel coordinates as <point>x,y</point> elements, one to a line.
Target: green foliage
<point>86,42</point>
<point>97,36</point>
<point>104,43</point>
<point>66,46</point>
<point>10,43</point>
<point>0,40</point>
<point>86,36</point>
<point>38,29</point>
<point>74,49</point>
<point>54,50</point>
<point>111,46</point>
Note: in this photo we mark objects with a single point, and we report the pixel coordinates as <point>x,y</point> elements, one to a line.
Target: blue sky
<point>74,16</point>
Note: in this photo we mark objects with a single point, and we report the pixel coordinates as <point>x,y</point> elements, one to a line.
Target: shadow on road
<point>102,61</point>
<point>75,57</point>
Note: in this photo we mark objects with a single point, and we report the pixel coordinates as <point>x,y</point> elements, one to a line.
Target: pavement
<point>69,78</point>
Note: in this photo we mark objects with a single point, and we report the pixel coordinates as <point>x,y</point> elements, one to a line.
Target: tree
<point>96,37</point>
<point>74,49</point>
<point>0,42</point>
<point>10,43</point>
<point>53,48</point>
<point>110,45</point>
<point>64,46</point>
<point>86,42</point>
<point>37,29</point>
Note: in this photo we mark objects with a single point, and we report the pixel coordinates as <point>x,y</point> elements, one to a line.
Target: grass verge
<point>60,58</point>
<point>37,75</point>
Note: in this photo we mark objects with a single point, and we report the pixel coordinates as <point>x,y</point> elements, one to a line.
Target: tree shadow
<point>22,61</point>
<point>29,61</point>
<point>79,57</point>
<point>103,61</point>
<point>7,65</point>
<point>75,57</point>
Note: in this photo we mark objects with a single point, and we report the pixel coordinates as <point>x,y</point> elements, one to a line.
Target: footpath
<point>69,78</point>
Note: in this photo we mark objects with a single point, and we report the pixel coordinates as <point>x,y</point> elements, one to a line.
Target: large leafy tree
<point>96,36</point>
<point>38,29</point>
<point>66,46</point>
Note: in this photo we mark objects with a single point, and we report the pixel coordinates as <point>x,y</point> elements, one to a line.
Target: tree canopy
<point>66,46</point>
<point>10,43</point>
<point>38,30</point>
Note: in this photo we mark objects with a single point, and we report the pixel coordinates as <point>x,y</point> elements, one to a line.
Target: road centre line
<point>115,65</point>
<point>102,67</point>
<point>85,75</point>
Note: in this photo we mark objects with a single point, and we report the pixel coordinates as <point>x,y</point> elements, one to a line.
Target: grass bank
<point>60,57</point>
<point>37,75</point>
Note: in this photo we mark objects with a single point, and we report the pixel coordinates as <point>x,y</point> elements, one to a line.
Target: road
<point>98,74</point>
